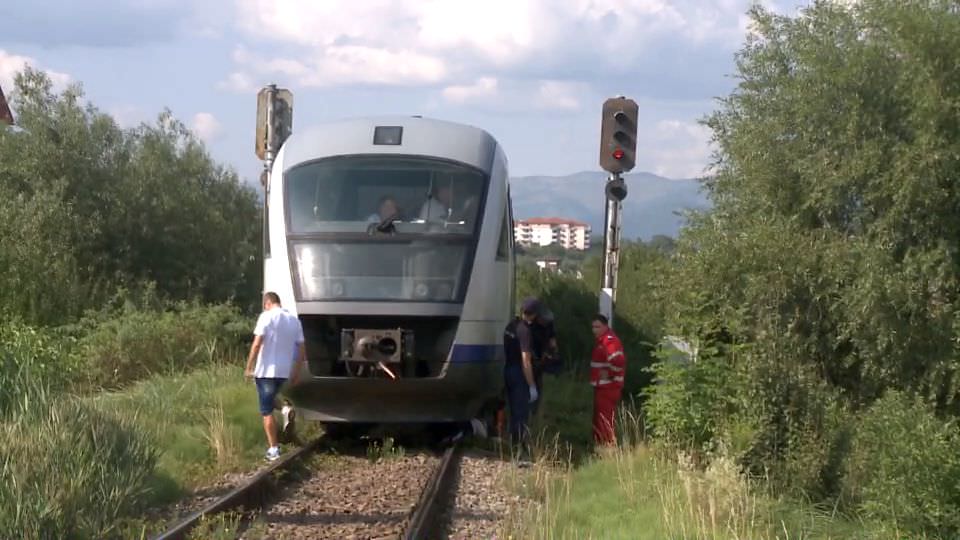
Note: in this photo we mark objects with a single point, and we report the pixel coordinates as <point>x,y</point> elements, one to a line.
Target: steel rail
<point>425,522</point>
<point>251,494</point>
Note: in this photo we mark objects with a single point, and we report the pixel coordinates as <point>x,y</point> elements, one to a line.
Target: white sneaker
<point>273,453</point>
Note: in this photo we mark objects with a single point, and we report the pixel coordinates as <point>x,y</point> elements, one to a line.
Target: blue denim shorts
<point>267,390</point>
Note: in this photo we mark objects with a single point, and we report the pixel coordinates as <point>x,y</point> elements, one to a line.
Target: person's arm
<point>550,336</point>
<point>301,355</point>
<point>526,351</point>
<point>298,365</point>
<point>615,358</point>
<point>528,368</point>
<point>252,357</point>
<point>258,332</point>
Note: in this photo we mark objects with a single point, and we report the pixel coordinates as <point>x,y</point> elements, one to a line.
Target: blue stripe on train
<point>475,353</point>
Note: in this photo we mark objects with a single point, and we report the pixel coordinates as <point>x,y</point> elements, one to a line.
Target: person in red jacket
<point>607,368</point>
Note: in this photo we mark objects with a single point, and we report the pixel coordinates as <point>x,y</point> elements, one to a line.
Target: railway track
<point>353,496</point>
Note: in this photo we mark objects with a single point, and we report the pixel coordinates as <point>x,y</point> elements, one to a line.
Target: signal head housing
<point>618,135</point>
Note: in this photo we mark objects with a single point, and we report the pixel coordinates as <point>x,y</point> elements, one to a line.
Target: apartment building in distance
<point>566,233</point>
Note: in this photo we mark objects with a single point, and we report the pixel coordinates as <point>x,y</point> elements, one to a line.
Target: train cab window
<point>418,195</point>
<point>384,228</point>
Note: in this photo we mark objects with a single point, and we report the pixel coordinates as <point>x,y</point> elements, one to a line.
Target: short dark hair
<point>602,318</point>
<point>272,297</point>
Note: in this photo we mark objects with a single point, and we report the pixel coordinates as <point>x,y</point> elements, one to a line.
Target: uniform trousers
<point>605,400</point>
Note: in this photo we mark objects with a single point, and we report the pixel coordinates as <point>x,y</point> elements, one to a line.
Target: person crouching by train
<point>519,346</point>
<point>546,356</point>
<point>607,368</point>
<point>278,349</point>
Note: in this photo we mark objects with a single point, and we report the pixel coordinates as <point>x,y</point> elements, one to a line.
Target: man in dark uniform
<point>544,348</point>
<point>519,344</point>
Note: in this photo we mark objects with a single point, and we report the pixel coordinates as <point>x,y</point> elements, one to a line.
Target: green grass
<point>70,471</point>
<point>205,424</point>
<point>641,491</point>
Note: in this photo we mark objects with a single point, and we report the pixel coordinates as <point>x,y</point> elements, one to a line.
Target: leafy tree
<point>829,258</point>
<point>89,207</point>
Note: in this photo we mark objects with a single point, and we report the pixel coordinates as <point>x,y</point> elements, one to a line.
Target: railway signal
<point>274,125</point>
<point>618,148</point>
<point>618,135</point>
<point>274,120</point>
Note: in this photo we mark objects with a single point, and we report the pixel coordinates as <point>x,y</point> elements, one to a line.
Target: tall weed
<point>32,363</point>
<point>68,471</point>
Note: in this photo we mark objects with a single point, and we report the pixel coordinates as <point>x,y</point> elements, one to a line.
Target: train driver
<point>386,208</point>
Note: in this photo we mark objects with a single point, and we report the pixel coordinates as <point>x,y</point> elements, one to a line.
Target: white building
<point>566,233</point>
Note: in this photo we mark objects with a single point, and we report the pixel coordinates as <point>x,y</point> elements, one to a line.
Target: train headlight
<point>421,290</point>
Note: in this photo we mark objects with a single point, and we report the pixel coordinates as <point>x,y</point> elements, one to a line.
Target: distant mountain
<point>649,209</point>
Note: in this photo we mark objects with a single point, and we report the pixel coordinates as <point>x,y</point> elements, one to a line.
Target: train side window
<point>503,249</point>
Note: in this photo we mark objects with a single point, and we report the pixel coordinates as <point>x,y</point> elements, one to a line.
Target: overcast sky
<point>534,73</point>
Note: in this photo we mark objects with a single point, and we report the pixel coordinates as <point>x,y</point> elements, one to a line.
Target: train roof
<point>402,135</point>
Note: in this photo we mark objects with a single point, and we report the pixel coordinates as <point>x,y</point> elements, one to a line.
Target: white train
<point>392,240</point>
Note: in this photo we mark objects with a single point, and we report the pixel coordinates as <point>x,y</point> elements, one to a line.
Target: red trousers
<point>605,400</point>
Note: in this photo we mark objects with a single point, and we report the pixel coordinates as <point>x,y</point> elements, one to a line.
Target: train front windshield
<point>383,228</point>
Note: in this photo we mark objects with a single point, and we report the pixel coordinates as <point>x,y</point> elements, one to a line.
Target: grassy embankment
<point>78,460</point>
<point>640,490</point>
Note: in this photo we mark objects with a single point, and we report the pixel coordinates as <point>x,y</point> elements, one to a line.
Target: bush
<point>67,471</point>
<point>904,468</point>
<point>688,401</point>
<point>32,362</point>
<point>116,347</point>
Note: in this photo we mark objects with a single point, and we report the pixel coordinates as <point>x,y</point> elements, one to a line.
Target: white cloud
<point>678,149</point>
<point>452,42</point>
<point>237,82</point>
<point>11,64</point>
<point>340,65</point>
<point>558,95</point>
<point>484,87</point>
<point>206,126</point>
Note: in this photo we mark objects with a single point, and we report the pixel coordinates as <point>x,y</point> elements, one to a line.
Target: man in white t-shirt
<point>278,349</point>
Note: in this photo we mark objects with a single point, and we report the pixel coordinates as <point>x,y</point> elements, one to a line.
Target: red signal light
<point>618,154</point>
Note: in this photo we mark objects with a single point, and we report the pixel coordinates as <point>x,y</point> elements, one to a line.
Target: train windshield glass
<point>383,228</point>
<point>405,195</point>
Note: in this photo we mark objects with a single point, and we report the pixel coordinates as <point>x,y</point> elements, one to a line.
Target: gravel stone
<point>482,501</point>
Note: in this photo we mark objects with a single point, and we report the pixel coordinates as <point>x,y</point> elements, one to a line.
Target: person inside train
<point>387,208</point>
<point>439,205</point>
